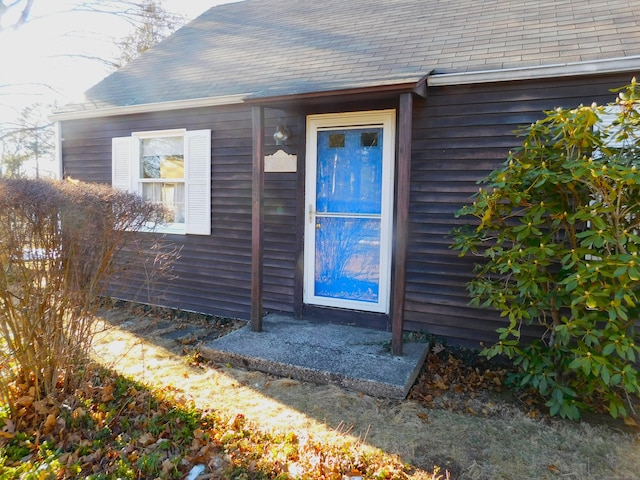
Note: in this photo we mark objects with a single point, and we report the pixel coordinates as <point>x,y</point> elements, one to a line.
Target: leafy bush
<point>60,242</point>
<point>558,233</point>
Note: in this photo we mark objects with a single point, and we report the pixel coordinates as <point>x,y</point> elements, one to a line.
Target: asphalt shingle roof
<point>275,47</point>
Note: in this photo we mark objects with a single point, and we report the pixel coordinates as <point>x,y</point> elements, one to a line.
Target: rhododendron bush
<point>557,234</point>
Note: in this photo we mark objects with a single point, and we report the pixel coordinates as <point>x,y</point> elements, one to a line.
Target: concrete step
<point>351,357</point>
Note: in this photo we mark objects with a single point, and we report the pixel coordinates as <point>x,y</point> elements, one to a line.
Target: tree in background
<point>28,142</point>
<point>558,237</point>
<point>150,24</point>
<point>154,24</point>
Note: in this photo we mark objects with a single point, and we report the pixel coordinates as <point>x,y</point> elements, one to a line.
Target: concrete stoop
<point>354,358</point>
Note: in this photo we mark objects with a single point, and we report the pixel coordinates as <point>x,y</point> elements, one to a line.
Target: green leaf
<point>598,223</point>
<point>576,363</point>
<point>608,349</point>
<point>571,412</point>
<point>620,271</point>
<point>543,385</point>
<point>555,407</point>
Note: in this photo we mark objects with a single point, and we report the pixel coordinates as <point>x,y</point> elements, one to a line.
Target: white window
<point>172,168</point>
<point>605,125</point>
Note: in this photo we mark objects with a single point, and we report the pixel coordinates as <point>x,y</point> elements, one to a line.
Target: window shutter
<point>121,163</point>
<point>198,182</point>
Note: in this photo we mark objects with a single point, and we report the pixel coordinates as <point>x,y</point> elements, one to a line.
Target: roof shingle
<point>278,47</point>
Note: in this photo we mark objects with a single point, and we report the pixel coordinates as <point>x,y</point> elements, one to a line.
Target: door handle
<point>310,213</point>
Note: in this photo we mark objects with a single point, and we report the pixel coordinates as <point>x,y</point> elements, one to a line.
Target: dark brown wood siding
<point>213,272</point>
<point>459,135</point>
<point>280,230</point>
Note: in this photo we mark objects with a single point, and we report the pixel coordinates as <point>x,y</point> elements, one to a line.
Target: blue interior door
<point>348,213</point>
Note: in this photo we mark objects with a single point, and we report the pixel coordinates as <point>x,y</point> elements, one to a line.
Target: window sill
<point>166,228</point>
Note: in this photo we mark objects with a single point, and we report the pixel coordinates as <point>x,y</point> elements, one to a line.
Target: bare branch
<point>29,84</point>
<point>18,130</point>
<point>25,13</point>
<point>24,16</point>
<point>107,62</point>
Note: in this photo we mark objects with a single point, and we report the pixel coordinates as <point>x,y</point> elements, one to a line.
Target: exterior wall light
<point>282,134</point>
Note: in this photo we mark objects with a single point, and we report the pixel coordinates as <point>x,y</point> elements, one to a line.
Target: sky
<point>41,60</point>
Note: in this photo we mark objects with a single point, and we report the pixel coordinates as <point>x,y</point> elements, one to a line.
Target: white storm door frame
<point>385,119</point>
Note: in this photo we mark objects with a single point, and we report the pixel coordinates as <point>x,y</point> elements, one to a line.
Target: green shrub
<point>558,235</point>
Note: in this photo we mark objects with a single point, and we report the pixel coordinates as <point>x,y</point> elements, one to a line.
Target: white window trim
<point>197,157</point>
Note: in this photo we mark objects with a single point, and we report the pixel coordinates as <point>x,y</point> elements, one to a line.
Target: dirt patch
<point>475,433</point>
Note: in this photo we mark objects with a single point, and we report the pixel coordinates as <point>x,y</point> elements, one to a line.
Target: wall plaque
<point>281,161</point>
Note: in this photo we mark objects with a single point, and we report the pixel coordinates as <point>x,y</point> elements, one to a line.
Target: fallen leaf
<point>9,426</point>
<point>424,417</point>
<point>167,466</point>
<point>107,393</point>
<point>41,407</point>
<point>49,423</point>
<point>236,422</point>
<point>25,401</point>
<point>146,439</point>
<point>91,459</point>
<point>78,413</point>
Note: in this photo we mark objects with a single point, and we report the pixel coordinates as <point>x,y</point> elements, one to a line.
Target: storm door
<point>349,200</point>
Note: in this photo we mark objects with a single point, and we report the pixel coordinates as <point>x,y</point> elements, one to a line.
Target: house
<point>313,154</point>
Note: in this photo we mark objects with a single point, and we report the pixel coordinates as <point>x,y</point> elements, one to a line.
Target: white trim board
<point>151,107</point>
<point>594,67</point>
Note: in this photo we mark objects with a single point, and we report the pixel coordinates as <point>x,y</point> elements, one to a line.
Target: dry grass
<point>500,442</point>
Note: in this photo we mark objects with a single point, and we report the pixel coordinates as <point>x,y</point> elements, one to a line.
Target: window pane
<point>369,139</point>
<point>348,259</point>
<point>349,180</point>
<point>170,195</point>
<point>336,140</point>
<point>162,157</point>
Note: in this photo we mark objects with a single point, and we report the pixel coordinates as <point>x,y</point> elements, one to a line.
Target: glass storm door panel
<point>347,236</point>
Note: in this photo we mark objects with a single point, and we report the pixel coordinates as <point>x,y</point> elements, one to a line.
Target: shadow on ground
<point>504,443</point>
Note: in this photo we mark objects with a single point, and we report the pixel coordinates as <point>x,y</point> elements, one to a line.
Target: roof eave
<point>390,90</point>
<point>418,87</point>
<point>150,107</point>
<point>592,67</point>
